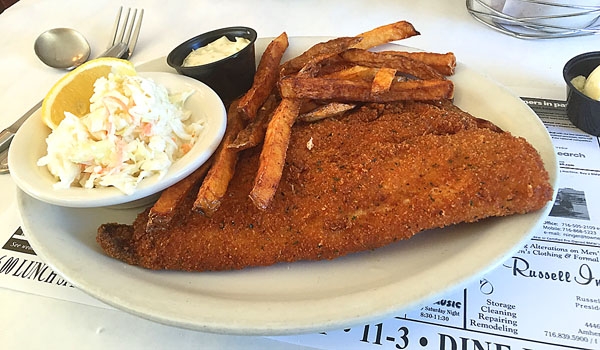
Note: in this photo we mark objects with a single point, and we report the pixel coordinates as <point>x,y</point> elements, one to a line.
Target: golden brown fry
<point>349,90</point>
<point>162,212</point>
<point>353,73</point>
<point>308,105</point>
<point>254,133</point>
<point>333,64</point>
<point>331,109</point>
<point>401,63</point>
<point>443,63</point>
<point>272,157</point>
<point>383,80</point>
<point>385,34</point>
<point>217,180</point>
<point>324,49</point>
<point>265,78</point>
<point>279,129</point>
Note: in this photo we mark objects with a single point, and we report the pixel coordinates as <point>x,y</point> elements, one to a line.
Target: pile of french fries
<point>327,80</point>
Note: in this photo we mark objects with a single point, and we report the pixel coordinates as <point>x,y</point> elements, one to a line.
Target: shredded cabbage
<point>134,129</point>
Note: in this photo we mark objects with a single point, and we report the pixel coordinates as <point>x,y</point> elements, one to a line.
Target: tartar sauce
<point>589,86</point>
<point>215,51</point>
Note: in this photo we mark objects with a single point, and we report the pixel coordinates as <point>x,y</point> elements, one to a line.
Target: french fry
<point>332,64</point>
<point>328,110</point>
<point>353,73</point>
<point>383,80</point>
<point>165,208</point>
<point>401,63</point>
<point>308,105</point>
<point>215,183</point>
<point>272,157</point>
<point>324,49</point>
<point>349,90</point>
<point>443,63</point>
<point>254,133</point>
<point>328,79</point>
<point>265,78</point>
<point>385,34</point>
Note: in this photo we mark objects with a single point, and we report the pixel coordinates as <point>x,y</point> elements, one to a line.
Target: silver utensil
<point>62,48</point>
<point>125,33</point>
<point>7,135</point>
<point>4,162</point>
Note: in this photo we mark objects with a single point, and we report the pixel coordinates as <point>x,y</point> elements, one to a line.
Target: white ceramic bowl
<point>29,145</point>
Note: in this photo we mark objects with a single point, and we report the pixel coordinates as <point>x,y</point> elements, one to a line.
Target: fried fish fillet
<point>358,182</point>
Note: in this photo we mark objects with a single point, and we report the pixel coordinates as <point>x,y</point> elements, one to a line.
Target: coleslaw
<point>135,129</point>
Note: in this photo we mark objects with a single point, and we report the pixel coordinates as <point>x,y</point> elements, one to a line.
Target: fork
<point>125,33</point>
<point>4,161</point>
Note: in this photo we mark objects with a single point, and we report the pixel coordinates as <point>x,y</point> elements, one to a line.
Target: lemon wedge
<point>73,91</point>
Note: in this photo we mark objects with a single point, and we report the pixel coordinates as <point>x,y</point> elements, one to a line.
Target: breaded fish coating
<point>353,183</point>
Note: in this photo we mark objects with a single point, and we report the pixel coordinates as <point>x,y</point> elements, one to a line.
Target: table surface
<point>531,67</point>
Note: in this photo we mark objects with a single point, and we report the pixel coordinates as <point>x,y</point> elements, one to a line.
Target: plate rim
<point>354,315</point>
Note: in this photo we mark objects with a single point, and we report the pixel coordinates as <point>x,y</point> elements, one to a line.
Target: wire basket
<point>538,19</point>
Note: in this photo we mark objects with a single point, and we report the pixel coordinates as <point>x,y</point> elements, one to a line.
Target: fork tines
<point>127,29</point>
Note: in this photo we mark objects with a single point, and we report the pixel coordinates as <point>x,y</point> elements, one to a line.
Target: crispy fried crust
<point>370,178</point>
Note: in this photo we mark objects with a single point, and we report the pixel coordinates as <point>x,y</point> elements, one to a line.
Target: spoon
<point>63,48</point>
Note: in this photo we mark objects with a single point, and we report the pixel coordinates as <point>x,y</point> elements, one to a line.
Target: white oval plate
<point>304,296</point>
<point>29,145</point>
